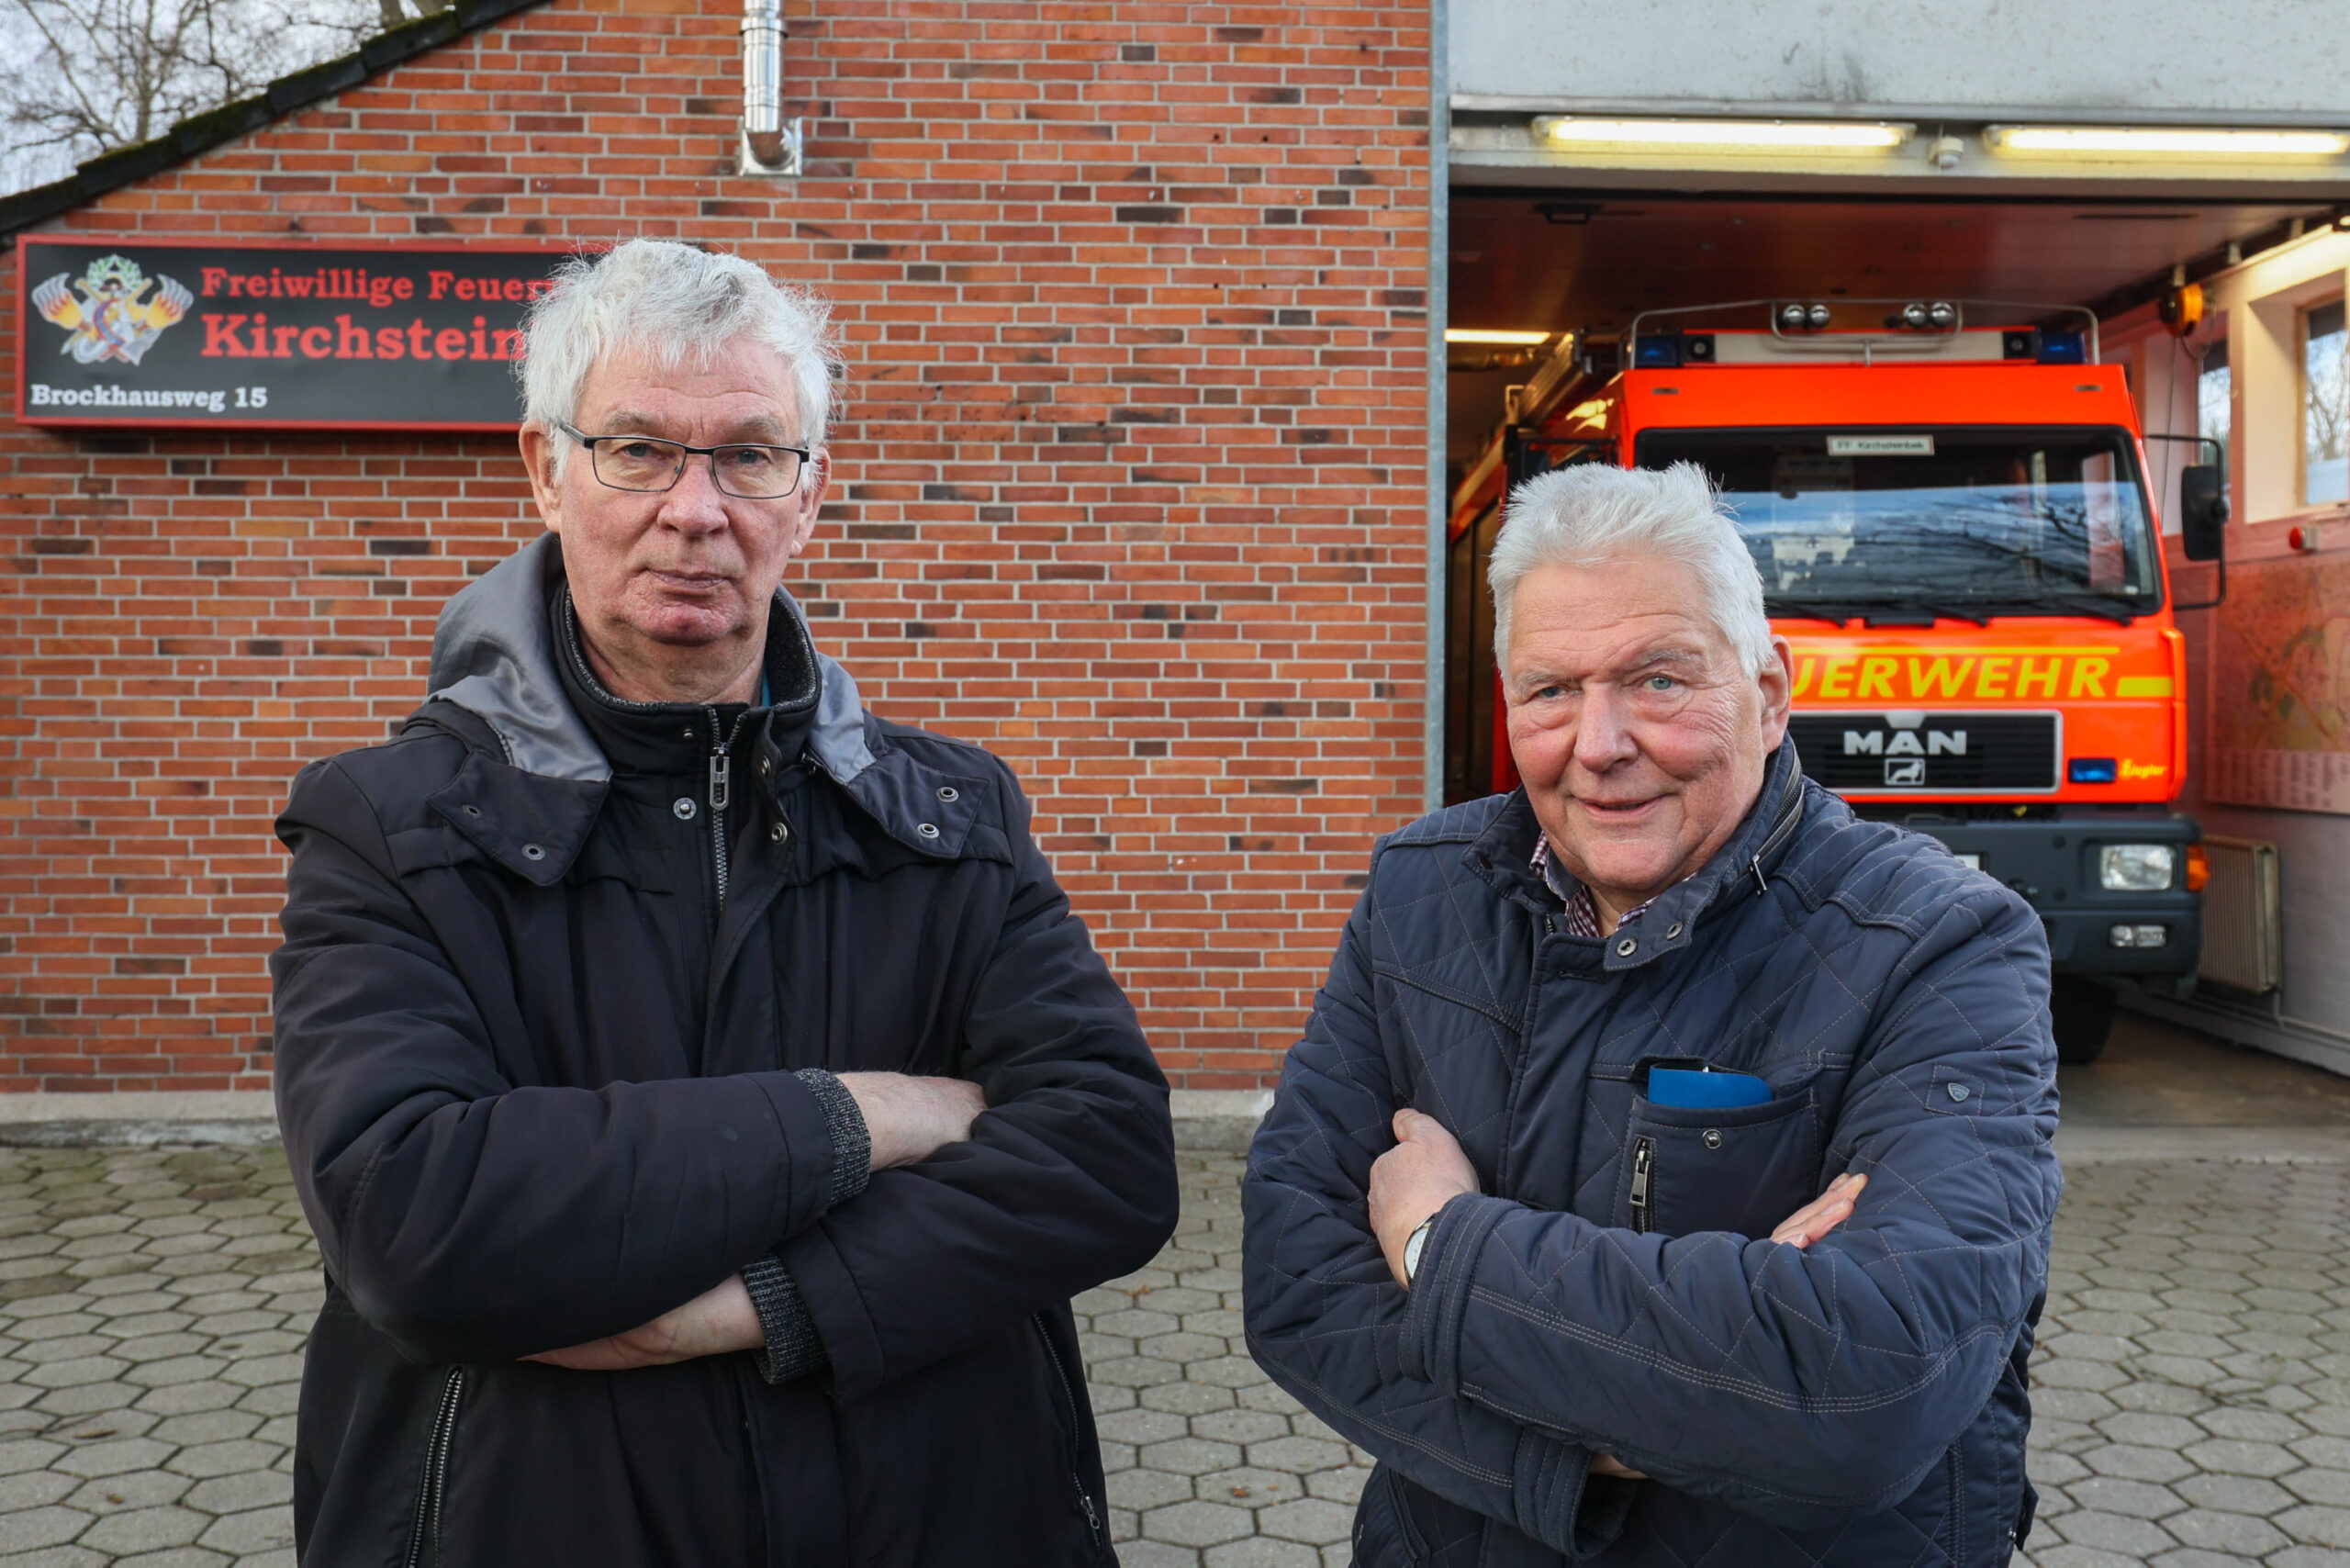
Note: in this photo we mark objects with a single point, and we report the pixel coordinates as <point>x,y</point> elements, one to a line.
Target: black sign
<point>1933,754</point>
<point>132,332</point>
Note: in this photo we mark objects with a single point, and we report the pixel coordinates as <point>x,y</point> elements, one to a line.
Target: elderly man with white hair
<point>1664,1177</point>
<point>704,1099</point>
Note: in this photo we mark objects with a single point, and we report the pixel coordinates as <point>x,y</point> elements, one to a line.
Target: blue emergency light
<point>2064,348</point>
<point>2091,770</point>
<point>1671,350</point>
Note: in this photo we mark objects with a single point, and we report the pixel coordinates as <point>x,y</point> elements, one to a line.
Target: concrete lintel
<point>1513,155</point>
<point>1956,118</point>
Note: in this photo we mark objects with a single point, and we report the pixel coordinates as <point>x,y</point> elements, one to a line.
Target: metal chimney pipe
<point>769,145</point>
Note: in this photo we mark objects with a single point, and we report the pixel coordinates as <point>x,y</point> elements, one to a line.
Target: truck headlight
<point>2135,867</point>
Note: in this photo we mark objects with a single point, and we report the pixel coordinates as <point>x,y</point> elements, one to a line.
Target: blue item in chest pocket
<point>1681,1088</point>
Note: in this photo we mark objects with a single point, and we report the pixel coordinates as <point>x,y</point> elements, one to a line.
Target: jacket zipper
<point>1779,831</point>
<point>721,791</point>
<point>1068,1400</point>
<point>435,1484</point>
<point>1643,1176</point>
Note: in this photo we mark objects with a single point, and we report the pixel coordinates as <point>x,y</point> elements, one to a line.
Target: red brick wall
<point>1131,483</point>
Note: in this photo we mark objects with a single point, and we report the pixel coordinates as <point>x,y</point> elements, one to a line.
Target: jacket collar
<point>1740,868</point>
<point>677,737</point>
<point>533,786</point>
<point>493,655</point>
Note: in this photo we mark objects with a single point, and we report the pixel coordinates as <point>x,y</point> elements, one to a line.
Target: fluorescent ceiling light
<point>1725,135</point>
<point>1494,335</point>
<point>2166,141</point>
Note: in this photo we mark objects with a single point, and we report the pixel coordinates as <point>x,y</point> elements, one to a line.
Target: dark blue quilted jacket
<point>1860,1403</point>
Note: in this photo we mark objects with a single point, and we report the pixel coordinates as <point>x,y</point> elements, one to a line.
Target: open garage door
<point>1575,265</point>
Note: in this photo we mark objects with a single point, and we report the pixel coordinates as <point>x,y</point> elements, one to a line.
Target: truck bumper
<point>2052,862</point>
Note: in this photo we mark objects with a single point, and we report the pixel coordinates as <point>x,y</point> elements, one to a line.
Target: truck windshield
<point>1968,521</point>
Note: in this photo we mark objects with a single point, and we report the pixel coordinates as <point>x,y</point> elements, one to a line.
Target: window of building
<point>2215,400</point>
<point>2325,405</point>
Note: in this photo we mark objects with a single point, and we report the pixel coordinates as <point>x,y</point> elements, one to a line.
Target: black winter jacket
<point>549,968</point>
<point>1612,1289</point>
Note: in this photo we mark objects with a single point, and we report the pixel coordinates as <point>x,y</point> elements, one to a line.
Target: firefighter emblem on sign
<point>114,318</point>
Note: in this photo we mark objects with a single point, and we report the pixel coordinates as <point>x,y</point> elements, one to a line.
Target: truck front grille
<point>1930,754</point>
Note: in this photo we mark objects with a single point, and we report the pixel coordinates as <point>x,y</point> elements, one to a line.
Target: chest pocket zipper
<point>1068,1403</point>
<point>433,1487</point>
<point>1643,1202</point>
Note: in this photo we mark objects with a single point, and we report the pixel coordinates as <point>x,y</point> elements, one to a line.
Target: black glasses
<point>746,469</point>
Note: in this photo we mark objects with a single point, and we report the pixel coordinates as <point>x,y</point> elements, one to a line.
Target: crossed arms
<point>475,1219</point>
<point>1798,1384</point>
<point>907,1119</point>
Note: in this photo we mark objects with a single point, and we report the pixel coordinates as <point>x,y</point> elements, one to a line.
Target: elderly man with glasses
<point>704,1098</point>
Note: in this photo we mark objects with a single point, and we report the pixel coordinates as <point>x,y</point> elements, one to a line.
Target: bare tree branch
<point>83,77</point>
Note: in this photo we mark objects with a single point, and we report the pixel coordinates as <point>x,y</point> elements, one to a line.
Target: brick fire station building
<point>1131,475</point>
<point>1150,425</point>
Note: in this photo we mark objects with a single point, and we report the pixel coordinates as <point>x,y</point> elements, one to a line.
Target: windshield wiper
<point>2094,604</point>
<point>1806,610</point>
<point>1873,611</point>
<point>1925,612</point>
<point>1948,612</point>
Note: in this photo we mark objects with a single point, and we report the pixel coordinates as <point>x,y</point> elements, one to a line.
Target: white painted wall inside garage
<point>2253,314</point>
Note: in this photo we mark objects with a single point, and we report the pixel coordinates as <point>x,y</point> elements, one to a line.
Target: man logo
<point>1904,749</point>
<point>1904,743</point>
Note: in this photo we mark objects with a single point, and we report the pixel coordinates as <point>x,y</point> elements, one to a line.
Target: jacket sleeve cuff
<point>851,1343</point>
<point>1430,1351</point>
<point>804,1180</point>
<point>1561,1503</point>
<point>852,1141</point>
<point>792,1348</point>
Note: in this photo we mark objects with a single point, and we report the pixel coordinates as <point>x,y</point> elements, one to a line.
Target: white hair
<point>1596,513</point>
<point>677,304</point>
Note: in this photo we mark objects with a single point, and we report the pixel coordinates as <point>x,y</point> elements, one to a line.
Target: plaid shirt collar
<point>1583,915</point>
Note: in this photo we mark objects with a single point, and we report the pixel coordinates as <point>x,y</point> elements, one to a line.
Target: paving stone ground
<point>152,1309</point>
<point>1206,1460</point>
<point>2193,1399</point>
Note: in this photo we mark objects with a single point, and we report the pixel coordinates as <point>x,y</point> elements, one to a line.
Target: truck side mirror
<point>2203,510</point>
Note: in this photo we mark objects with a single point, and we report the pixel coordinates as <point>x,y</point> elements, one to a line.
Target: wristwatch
<point>1412,1246</point>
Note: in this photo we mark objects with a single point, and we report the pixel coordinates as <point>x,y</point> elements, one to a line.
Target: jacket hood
<point>494,656</point>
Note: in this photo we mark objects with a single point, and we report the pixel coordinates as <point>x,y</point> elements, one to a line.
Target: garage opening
<point>1570,270</point>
